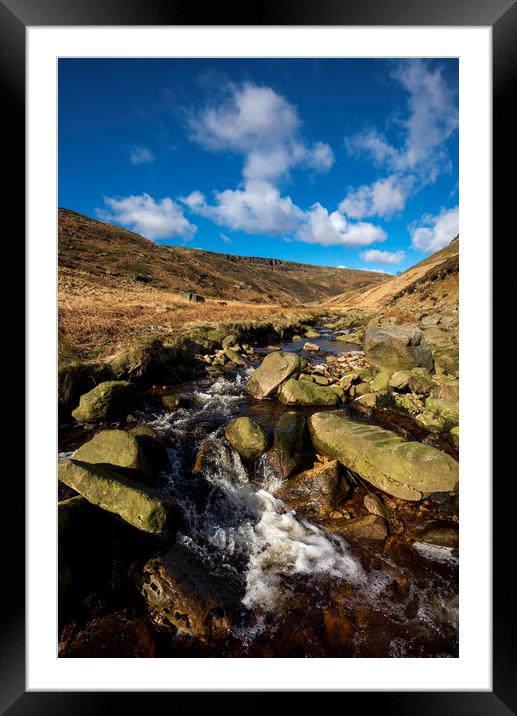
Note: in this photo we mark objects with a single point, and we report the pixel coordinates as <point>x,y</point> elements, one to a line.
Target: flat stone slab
<point>401,468</point>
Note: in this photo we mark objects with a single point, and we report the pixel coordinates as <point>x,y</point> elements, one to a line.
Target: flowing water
<point>305,591</point>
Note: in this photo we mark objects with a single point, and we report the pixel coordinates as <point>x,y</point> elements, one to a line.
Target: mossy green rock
<point>362,389</point>
<point>353,337</point>
<point>234,357</point>
<point>247,438</point>
<point>320,379</point>
<point>405,404</point>
<point>274,370</point>
<point>139,505</point>
<point>296,392</point>
<point>306,376</point>
<point>297,338</point>
<point>114,447</point>
<point>339,392</point>
<point>380,382</point>
<point>400,468</point>
<point>110,400</point>
<point>429,422</point>
<point>446,410</point>
<point>312,334</point>
<point>229,341</point>
<point>393,348</point>
<point>455,436</point>
<point>420,381</point>
<point>285,455</point>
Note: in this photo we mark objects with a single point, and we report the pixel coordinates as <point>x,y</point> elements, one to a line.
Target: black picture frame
<point>15,17</point>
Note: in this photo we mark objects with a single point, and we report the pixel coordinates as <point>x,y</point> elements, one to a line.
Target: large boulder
<point>285,455</point>
<point>274,370</point>
<point>139,505</point>
<point>400,468</point>
<point>247,438</point>
<point>110,400</point>
<point>394,348</point>
<point>181,590</point>
<point>297,392</point>
<point>315,491</point>
<point>114,448</point>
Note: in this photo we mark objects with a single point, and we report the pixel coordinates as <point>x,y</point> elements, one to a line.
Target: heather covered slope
<point>105,255</point>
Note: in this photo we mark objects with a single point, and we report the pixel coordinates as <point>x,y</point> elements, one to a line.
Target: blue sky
<point>339,162</point>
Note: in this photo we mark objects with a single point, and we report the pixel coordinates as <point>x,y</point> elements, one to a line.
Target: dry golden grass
<point>95,320</point>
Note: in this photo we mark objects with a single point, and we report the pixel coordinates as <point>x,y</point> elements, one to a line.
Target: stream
<point>306,592</point>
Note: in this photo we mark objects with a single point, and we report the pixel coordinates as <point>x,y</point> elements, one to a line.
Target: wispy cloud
<point>141,155</point>
<point>382,257</point>
<point>226,239</point>
<point>432,117</point>
<point>432,233</point>
<point>162,219</point>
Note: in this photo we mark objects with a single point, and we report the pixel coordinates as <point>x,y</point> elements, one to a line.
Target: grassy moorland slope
<point>116,286</point>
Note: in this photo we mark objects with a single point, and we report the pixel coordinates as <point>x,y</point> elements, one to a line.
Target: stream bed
<point>304,590</point>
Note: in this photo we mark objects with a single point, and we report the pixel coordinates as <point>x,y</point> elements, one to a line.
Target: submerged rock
<point>179,587</point>
<point>400,468</point>
<point>315,491</point>
<point>367,528</point>
<point>296,392</point>
<point>139,505</point>
<point>285,455</point>
<point>274,370</point>
<point>110,400</point>
<point>395,348</point>
<point>247,438</point>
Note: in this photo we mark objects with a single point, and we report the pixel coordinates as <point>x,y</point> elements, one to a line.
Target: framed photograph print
<point>252,338</point>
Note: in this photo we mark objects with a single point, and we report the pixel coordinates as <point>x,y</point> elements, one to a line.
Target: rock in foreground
<point>274,370</point>
<point>400,468</point>
<point>114,447</point>
<point>303,392</point>
<point>247,438</point>
<point>110,400</point>
<point>395,348</point>
<point>178,586</point>
<point>140,506</point>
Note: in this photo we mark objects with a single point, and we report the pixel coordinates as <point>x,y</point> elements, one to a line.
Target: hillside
<point>105,255</point>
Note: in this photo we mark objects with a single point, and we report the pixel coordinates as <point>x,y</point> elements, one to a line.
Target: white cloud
<point>382,257</point>
<point>432,233</point>
<point>432,118</point>
<point>333,229</point>
<point>141,155</point>
<point>367,268</point>
<point>382,198</point>
<point>163,219</point>
<point>264,127</point>
<point>258,208</point>
<point>341,266</point>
